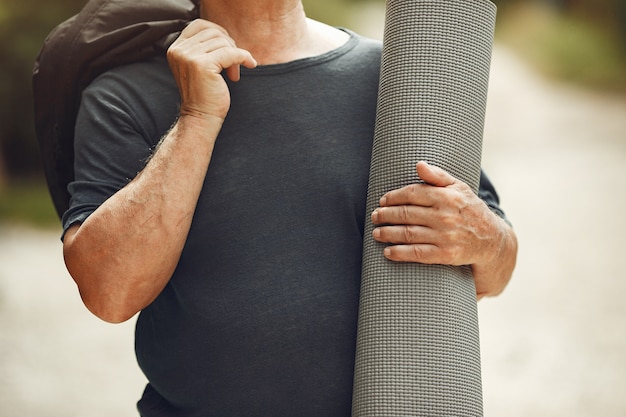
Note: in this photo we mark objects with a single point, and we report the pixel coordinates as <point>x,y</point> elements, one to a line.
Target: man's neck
<point>274,31</point>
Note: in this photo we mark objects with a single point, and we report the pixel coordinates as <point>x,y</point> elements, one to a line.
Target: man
<point>228,210</point>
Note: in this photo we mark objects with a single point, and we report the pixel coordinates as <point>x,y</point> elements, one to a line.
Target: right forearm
<point>123,255</point>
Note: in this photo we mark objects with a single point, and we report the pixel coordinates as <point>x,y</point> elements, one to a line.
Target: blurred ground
<point>56,359</point>
<point>553,344</point>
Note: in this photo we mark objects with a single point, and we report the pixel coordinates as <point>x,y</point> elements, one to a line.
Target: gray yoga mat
<point>418,350</point>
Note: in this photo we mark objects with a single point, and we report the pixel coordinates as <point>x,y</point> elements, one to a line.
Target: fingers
<point>424,222</point>
<point>433,175</point>
<point>410,215</point>
<point>419,244</point>
<point>197,59</point>
<point>425,254</point>
<point>426,194</point>
<point>209,44</point>
<point>405,235</point>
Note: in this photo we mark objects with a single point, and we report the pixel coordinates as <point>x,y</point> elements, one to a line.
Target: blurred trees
<point>24,25</point>
<point>611,14</point>
<point>578,41</point>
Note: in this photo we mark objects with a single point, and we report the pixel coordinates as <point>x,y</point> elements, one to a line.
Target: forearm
<point>124,254</point>
<point>493,274</point>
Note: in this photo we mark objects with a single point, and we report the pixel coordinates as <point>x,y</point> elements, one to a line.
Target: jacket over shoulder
<point>104,34</point>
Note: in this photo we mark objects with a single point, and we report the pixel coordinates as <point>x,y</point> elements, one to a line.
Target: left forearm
<point>493,275</point>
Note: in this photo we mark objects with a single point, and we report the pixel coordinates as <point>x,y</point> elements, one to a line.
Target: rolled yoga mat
<point>418,350</point>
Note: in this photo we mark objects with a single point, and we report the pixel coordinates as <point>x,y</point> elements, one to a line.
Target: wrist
<point>493,242</point>
<point>196,118</point>
<point>199,124</point>
<point>493,273</point>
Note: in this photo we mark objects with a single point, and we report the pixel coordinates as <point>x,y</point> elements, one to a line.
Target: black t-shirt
<point>259,318</point>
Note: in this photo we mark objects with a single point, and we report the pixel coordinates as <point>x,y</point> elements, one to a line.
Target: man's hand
<point>444,222</point>
<point>197,58</point>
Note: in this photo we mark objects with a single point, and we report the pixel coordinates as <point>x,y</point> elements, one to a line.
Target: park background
<point>555,145</point>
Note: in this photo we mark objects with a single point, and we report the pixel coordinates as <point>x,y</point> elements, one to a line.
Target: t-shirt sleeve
<point>115,134</point>
<point>487,192</point>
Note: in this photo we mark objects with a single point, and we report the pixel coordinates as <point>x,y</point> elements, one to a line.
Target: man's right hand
<point>197,58</point>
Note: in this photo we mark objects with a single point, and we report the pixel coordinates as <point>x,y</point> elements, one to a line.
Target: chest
<point>294,148</point>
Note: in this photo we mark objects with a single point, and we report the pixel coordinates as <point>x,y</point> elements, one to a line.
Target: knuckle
<point>198,22</point>
<point>413,189</point>
<point>452,255</point>
<point>418,253</point>
<point>447,219</point>
<point>405,214</point>
<point>173,51</point>
<point>460,197</point>
<point>409,234</point>
<point>221,42</point>
<point>447,256</point>
<point>453,236</point>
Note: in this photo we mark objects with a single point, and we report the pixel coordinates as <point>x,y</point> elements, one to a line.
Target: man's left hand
<point>444,222</point>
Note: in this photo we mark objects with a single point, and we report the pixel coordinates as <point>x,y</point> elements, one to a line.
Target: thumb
<point>433,175</point>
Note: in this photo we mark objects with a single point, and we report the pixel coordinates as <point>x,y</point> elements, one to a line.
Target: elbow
<point>105,303</point>
<point>106,298</point>
<point>107,307</point>
<point>108,312</point>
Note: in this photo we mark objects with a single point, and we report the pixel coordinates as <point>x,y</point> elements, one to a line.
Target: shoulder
<point>367,47</point>
<point>147,78</point>
<point>363,54</point>
<point>142,94</point>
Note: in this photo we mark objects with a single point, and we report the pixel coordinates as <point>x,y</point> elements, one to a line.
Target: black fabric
<point>103,35</point>
<point>259,318</point>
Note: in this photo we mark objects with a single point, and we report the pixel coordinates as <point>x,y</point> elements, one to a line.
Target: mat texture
<point>418,350</point>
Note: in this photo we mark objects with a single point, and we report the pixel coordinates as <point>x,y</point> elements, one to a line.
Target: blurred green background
<point>577,41</point>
